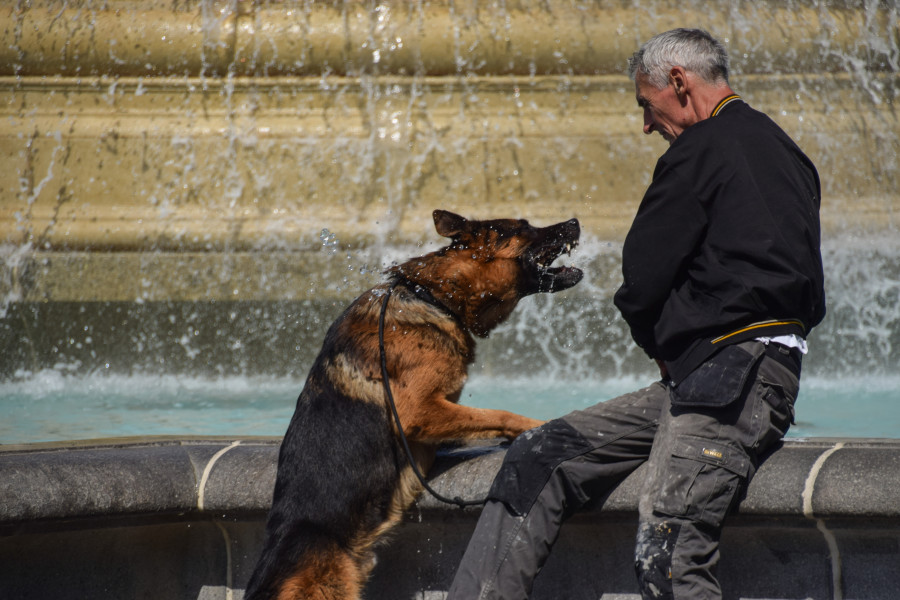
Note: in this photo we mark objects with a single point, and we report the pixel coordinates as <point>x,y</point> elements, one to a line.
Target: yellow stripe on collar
<point>722,104</point>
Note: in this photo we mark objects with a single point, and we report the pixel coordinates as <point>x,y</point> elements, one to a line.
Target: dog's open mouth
<point>554,279</point>
<point>560,239</point>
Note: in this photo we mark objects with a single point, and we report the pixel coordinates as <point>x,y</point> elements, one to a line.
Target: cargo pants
<point>700,458</point>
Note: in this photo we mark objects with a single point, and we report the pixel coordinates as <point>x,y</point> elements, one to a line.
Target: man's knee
<point>653,553</point>
<point>675,559</point>
<point>531,460</point>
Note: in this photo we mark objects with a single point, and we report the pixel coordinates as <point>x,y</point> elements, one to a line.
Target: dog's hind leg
<point>328,574</point>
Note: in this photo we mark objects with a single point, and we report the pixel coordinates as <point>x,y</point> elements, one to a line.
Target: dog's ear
<point>447,223</point>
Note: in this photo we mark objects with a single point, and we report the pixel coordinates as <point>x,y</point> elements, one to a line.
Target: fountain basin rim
<point>49,485</point>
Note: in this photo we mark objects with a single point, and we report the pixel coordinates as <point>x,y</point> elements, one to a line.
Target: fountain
<point>198,188</point>
<point>193,190</point>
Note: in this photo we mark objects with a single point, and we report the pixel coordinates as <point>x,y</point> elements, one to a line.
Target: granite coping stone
<point>133,477</point>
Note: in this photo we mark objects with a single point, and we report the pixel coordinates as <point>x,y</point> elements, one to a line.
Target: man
<point>722,282</point>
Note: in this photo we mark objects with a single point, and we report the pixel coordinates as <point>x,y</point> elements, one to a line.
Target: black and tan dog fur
<point>343,478</point>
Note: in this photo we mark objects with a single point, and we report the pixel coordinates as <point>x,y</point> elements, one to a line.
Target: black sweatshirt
<point>726,236</point>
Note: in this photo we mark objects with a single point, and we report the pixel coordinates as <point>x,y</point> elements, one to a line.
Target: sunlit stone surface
<point>205,152</point>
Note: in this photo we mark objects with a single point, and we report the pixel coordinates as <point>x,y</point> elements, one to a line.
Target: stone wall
<point>169,165</point>
<point>182,518</point>
<point>220,126</point>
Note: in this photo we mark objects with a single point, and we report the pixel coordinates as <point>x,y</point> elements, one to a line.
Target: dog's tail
<point>321,570</point>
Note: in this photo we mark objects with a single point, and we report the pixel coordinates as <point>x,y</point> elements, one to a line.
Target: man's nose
<point>648,122</point>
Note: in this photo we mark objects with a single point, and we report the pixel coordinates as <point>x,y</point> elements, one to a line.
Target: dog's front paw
<point>521,426</point>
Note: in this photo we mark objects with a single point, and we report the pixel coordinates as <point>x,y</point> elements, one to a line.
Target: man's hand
<point>663,371</point>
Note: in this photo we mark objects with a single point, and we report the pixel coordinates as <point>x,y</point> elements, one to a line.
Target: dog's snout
<point>572,226</point>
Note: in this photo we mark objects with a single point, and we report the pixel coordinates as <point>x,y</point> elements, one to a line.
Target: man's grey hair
<point>695,50</point>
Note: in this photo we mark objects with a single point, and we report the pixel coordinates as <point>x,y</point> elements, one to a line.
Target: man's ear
<point>448,224</point>
<point>679,80</point>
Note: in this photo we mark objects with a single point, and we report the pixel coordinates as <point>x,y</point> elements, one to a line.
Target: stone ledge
<point>43,484</point>
<point>246,38</point>
<point>194,508</point>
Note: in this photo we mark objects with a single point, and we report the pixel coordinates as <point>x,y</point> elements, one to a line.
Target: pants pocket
<point>701,480</point>
<point>780,400</point>
<point>720,380</point>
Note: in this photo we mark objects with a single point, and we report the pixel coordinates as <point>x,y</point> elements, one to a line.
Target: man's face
<point>664,111</point>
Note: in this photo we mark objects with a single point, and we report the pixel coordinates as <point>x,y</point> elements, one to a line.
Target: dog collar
<point>423,294</point>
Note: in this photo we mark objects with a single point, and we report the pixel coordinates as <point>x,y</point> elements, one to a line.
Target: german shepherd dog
<point>343,478</point>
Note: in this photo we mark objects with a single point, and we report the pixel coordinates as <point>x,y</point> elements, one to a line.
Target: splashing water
<point>231,205</point>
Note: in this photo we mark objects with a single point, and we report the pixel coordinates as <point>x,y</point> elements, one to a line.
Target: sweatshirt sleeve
<point>665,235</point>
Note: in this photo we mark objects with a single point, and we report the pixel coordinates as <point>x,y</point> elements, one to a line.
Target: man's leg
<point>699,462</point>
<point>547,474</point>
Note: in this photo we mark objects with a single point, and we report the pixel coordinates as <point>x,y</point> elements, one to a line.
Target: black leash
<point>390,398</point>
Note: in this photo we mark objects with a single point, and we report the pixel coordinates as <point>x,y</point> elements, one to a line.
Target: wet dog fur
<point>343,479</point>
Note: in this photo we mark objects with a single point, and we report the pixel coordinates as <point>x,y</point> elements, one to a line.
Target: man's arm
<point>666,232</point>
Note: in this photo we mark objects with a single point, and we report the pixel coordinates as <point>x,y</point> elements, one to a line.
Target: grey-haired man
<point>722,282</point>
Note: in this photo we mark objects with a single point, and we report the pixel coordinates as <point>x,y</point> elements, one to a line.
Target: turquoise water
<point>848,407</point>
<point>53,406</point>
<point>206,362</point>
